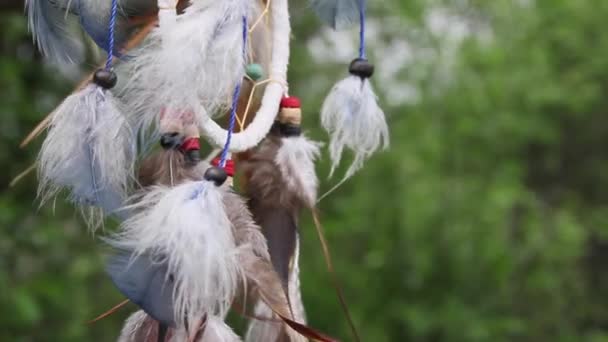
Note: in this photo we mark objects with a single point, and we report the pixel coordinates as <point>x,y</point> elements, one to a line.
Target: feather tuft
<point>194,61</point>
<point>138,327</point>
<point>351,115</point>
<point>217,331</point>
<point>186,227</point>
<point>49,27</point>
<point>296,160</point>
<point>88,151</point>
<point>339,14</point>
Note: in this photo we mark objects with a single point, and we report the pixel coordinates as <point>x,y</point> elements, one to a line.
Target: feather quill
<point>88,152</point>
<point>351,115</point>
<point>339,14</point>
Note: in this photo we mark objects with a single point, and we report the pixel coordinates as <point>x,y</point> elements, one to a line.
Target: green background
<point>485,221</point>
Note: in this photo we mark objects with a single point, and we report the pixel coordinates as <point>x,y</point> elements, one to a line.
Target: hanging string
<point>362,9</point>
<point>112,25</point>
<point>235,101</point>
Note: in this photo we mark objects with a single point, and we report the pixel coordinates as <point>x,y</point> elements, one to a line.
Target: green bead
<point>255,71</point>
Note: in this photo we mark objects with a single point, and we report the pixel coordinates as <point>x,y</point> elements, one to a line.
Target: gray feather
<point>145,283</point>
<point>88,152</point>
<point>339,14</point>
<point>94,17</point>
<point>49,27</point>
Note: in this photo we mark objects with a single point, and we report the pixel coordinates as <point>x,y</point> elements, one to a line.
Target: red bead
<point>190,144</point>
<point>229,168</point>
<point>291,102</point>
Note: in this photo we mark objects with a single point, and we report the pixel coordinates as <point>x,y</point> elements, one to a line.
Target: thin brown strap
<point>109,312</point>
<point>332,272</point>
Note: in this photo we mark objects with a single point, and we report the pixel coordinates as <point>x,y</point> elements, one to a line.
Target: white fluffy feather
<point>133,326</point>
<point>187,227</point>
<point>296,160</point>
<point>264,331</point>
<point>191,65</point>
<point>218,331</point>
<point>261,330</point>
<point>351,115</point>
<point>88,151</point>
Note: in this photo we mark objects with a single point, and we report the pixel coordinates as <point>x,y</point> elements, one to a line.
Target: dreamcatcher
<point>189,247</point>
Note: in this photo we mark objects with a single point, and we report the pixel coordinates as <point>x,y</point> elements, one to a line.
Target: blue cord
<point>235,101</point>
<point>362,9</point>
<point>112,25</point>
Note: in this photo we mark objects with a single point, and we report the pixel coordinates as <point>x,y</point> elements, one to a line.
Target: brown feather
<point>167,167</point>
<point>276,210</point>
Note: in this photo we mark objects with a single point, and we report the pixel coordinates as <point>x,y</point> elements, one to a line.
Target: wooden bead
<point>292,116</point>
<point>105,78</point>
<point>361,67</point>
<point>217,175</point>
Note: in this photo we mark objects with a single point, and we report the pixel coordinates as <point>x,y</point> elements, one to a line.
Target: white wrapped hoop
<point>261,124</point>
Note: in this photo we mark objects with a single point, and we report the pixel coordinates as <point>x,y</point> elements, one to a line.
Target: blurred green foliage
<point>486,220</point>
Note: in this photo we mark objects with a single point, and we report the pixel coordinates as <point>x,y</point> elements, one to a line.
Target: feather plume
<point>217,331</point>
<point>351,115</point>
<point>274,209</point>
<point>88,151</point>
<point>281,180</point>
<point>94,16</point>
<point>296,160</point>
<point>272,330</point>
<point>186,227</point>
<point>49,26</point>
<point>144,281</point>
<point>139,327</point>
<point>195,61</point>
<point>167,168</point>
<point>338,14</point>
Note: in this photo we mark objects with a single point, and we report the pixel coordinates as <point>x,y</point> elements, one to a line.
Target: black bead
<point>105,78</point>
<point>171,141</point>
<point>193,157</point>
<point>361,67</point>
<point>286,130</point>
<point>217,175</point>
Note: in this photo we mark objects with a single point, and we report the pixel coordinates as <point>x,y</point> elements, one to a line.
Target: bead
<point>361,67</point>
<point>291,116</point>
<point>105,78</point>
<point>229,167</point>
<point>190,144</point>
<point>255,71</point>
<point>193,157</point>
<point>171,140</point>
<point>286,130</point>
<point>291,102</point>
<point>216,175</point>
